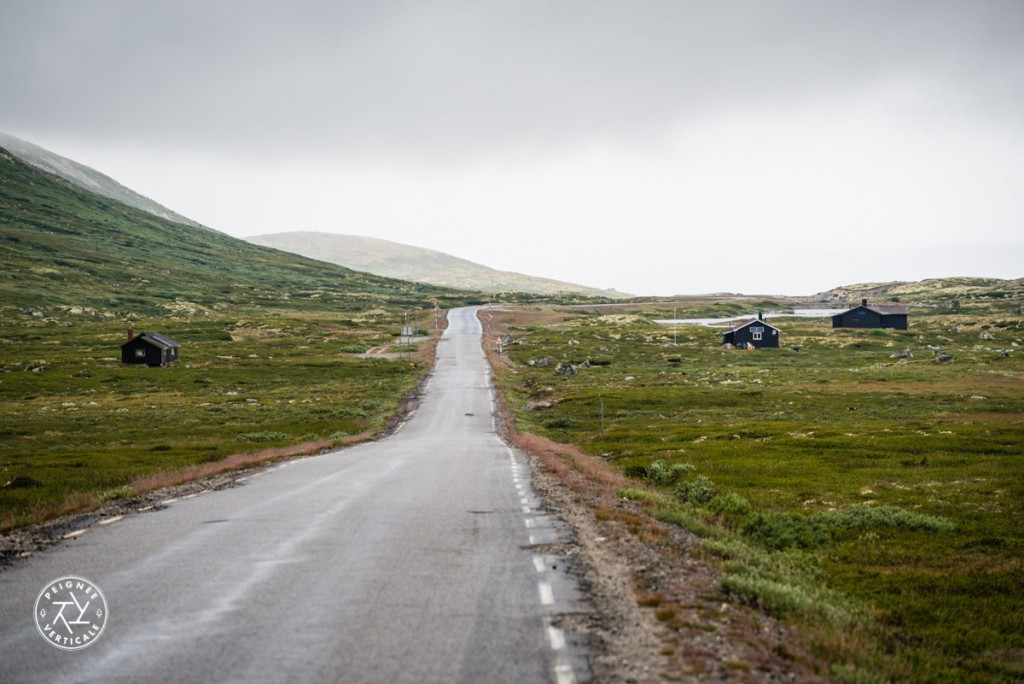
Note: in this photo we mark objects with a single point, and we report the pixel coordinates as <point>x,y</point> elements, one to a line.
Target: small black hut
<point>874,316</point>
<point>150,348</point>
<point>752,333</point>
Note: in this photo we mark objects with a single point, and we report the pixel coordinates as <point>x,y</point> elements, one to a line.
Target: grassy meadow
<point>77,427</point>
<point>871,498</point>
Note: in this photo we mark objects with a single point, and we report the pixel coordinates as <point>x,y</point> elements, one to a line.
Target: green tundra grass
<point>76,425</point>
<point>875,500</point>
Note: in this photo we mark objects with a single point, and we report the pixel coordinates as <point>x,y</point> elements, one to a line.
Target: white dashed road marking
<point>562,669</point>
<point>547,596</point>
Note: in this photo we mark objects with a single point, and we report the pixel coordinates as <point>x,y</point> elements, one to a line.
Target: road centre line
<point>108,521</point>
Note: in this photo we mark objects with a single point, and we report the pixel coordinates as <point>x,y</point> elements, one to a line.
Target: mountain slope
<point>933,291</point>
<point>64,247</point>
<point>395,260</point>
<point>87,178</point>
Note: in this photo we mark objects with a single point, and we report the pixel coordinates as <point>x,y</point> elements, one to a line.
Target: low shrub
<point>125,492</point>
<point>660,473</point>
<point>730,504</point>
<point>686,519</point>
<point>261,437</point>
<point>700,490</point>
<point>860,516</point>
<point>786,531</point>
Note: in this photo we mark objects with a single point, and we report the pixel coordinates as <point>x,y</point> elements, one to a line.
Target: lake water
<point>797,313</point>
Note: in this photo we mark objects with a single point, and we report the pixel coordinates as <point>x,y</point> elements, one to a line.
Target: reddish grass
<point>148,483</point>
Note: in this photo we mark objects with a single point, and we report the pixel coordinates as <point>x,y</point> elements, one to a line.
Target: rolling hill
<point>418,264</point>
<point>64,248</point>
<point>931,292</point>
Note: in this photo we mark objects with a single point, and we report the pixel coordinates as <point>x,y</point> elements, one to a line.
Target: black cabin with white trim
<point>754,333</point>
<point>150,348</point>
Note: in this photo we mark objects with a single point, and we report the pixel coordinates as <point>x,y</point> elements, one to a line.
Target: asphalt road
<point>417,558</point>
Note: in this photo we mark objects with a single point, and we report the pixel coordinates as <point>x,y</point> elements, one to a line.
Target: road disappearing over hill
<point>416,558</point>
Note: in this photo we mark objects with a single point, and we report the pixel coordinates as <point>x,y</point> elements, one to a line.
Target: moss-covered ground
<point>872,498</point>
<point>77,426</point>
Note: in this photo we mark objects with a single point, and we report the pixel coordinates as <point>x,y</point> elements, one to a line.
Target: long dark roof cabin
<point>150,348</point>
<point>752,333</point>
<point>874,316</point>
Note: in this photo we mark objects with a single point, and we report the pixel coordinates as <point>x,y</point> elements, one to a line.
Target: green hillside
<point>63,248</point>
<point>87,178</point>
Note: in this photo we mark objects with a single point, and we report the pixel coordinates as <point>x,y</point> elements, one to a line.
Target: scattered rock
<point>566,368</point>
<point>942,358</point>
<point>542,404</point>
<point>904,354</point>
<point>22,482</point>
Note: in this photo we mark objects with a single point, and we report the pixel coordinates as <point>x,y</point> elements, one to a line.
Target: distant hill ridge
<point>418,264</point>
<point>929,290</point>
<point>88,178</point>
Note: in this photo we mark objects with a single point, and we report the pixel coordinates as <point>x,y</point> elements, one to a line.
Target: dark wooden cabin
<point>752,333</point>
<point>150,348</point>
<point>874,316</point>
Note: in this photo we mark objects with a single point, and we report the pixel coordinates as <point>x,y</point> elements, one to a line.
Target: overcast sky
<point>657,147</point>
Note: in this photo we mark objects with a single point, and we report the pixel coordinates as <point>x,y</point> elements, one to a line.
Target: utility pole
<point>405,333</point>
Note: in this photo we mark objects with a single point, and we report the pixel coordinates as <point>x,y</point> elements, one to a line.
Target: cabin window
<point>140,353</point>
<point>756,336</point>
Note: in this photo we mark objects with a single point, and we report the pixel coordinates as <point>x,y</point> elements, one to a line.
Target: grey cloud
<point>440,79</point>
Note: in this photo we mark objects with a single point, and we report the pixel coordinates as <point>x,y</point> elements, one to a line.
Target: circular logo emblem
<point>71,613</point>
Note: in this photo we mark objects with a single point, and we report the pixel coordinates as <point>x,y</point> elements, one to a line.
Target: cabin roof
<point>157,339</point>
<point>882,309</point>
<point>742,324</point>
